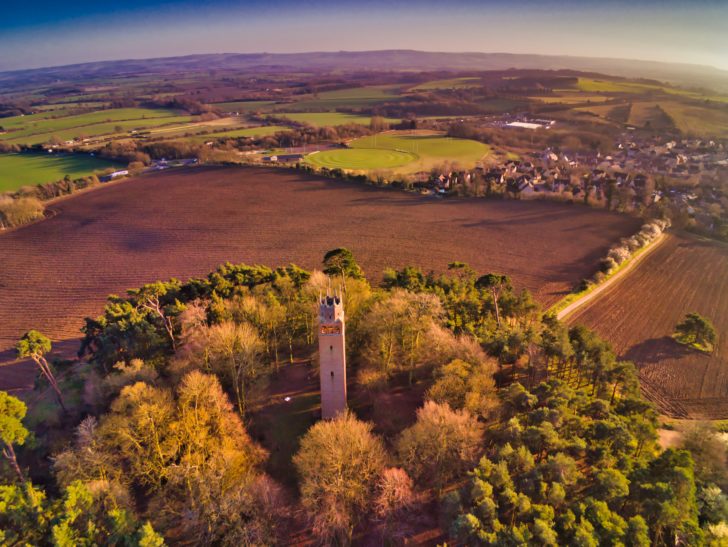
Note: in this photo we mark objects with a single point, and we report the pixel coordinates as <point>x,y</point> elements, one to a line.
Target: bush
<point>619,254</point>
<point>607,265</point>
<point>16,212</point>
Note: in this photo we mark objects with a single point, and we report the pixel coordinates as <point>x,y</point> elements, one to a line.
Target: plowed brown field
<point>184,223</point>
<point>639,313</point>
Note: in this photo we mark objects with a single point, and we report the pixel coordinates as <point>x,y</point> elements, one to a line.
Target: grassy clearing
<point>17,170</point>
<point>244,106</point>
<point>452,83</point>
<point>328,119</point>
<point>360,158</point>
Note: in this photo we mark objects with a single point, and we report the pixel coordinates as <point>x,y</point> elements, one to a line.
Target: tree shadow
<point>655,350</point>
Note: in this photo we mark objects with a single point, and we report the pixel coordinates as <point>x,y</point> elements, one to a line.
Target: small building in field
<point>283,158</point>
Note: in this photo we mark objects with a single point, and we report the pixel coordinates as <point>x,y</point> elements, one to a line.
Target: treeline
<point>628,246</point>
<point>191,106</point>
<point>437,105</point>
<point>625,249</point>
<point>529,432</point>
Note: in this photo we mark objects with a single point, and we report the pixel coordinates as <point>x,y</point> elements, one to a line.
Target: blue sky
<point>46,33</point>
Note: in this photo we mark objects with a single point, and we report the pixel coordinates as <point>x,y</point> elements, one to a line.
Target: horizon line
<point>311,52</point>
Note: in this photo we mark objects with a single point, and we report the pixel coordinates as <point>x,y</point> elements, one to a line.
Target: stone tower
<point>332,356</point>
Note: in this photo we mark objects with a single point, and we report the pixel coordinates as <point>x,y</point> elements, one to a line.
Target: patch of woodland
<point>518,429</point>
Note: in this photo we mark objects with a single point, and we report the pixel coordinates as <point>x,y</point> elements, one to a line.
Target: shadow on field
<point>655,350</point>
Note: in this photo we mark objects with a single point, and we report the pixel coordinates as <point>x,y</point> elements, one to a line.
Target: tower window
<point>332,373</point>
<point>331,348</point>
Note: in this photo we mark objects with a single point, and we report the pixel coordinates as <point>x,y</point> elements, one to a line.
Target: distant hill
<point>394,60</point>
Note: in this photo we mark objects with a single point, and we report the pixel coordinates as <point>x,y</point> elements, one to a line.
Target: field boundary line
<point>578,303</point>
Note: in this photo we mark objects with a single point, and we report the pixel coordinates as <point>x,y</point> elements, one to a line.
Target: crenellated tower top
<point>331,308</point>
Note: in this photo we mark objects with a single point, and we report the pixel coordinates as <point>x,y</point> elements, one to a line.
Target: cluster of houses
<point>637,172</point>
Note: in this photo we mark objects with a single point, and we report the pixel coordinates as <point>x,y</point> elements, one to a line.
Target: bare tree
<point>234,352</point>
<point>441,445</point>
<point>339,462</point>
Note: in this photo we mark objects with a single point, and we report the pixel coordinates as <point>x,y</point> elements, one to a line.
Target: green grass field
<point>90,124</point>
<point>401,153</point>
<point>328,119</point>
<point>16,122</point>
<point>453,83</point>
<point>262,131</point>
<point>607,86</point>
<point>695,95</point>
<point>100,129</point>
<point>18,170</point>
<point>361,158</point>
<point>434,146</point>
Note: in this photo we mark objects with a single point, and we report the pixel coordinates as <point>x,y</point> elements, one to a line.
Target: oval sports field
<point>361,158</point>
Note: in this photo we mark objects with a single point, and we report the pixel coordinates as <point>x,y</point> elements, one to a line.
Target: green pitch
<point>427,146</point>
<point>403,153</point>
<point>360,158</point>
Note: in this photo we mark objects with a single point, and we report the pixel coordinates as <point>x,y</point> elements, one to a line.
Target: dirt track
<point>185,223</point>
<point>604,286</point>
<point>638,315</point>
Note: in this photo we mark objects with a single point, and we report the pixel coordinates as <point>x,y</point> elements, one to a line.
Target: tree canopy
<point>696,330</point>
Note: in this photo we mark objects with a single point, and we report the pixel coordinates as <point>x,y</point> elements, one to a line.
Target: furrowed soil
<point>185,223</point>
<point>638,315</point>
